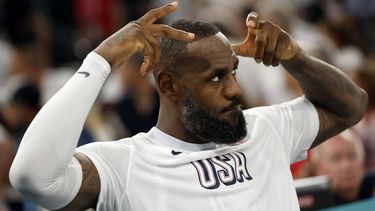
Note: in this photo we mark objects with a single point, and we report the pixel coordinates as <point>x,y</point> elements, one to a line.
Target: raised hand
<point>266,42</point>
<point>140,36</point>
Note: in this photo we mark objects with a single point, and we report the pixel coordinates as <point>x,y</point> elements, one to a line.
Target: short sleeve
<point>111,161</point>
<point>296,123</point>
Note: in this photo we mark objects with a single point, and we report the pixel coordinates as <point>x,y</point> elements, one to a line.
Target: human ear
<point>166,84</point>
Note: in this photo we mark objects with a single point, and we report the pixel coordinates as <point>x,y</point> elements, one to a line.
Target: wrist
<point>104,53</point>
<point>296,57</point>
<point>97,63</point>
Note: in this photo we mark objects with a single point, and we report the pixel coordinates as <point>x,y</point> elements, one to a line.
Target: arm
<point>44,168</point>
<point>88,193</point>
<point>339,102</point>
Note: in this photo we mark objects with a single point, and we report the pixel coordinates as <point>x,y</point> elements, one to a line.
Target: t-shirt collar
<point>170,141</point>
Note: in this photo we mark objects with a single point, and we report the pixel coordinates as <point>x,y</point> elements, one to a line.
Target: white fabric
<point>44,169</point>
<point>154,171</point>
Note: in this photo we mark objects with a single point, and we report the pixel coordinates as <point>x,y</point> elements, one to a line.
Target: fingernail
<point>191,35</point>
<point>175,3</point>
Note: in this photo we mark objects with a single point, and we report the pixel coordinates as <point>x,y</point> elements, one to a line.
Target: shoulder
<point>297,103</point>
<point>107,146</point>
<point>299,107</point>
<point>119,146</point>
<point>110,152</point>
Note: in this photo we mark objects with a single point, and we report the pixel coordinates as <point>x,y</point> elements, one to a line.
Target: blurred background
<point>43,42</point>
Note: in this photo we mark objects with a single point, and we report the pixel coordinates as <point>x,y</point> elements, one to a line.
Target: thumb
<point>252,21</point>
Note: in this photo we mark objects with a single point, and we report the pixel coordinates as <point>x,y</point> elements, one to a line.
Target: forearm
<point>47,148</point>
<point>327,86</point>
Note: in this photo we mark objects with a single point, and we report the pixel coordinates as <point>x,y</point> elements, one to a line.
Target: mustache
<point>236,102</point>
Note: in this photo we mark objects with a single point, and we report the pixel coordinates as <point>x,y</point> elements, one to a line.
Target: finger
<point>270,49</point>
<point>156,47</point>
<point>243,49</point>
<point>278,52</point>
<point>155,14</point>
<point>145,66</point>
<point>160,30</point>
<point>149,55</point>
<point>275,62</point>
<point>252,20</point>
<point>237,50</point>
<point>260,45</point>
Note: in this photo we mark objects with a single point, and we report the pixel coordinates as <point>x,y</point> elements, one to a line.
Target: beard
<point>207,128</point>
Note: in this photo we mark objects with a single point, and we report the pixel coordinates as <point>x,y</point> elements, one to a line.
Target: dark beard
<point>207,128</point>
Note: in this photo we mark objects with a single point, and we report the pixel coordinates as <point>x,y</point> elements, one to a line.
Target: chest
<point>244,179</point>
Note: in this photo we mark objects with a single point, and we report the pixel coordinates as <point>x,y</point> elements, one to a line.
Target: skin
<point>341,105</point>
<point>341,159</point>
<point>6,157</point>
<point>215,80</point>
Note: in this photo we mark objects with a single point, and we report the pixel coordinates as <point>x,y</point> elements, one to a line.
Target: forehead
<point>338,145</point>
<point>215,49</point>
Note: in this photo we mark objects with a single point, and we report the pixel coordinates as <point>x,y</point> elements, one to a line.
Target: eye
<point>215,79</point>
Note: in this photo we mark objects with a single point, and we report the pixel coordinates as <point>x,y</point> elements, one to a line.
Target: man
<point>365,78</point>
<point>342,159</point>
<point>6,156</point>
<point>203,150</point>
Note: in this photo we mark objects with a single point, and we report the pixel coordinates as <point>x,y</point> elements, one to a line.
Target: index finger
<point>172,33</point>
<point>155,14</point>
<point>237,49</point>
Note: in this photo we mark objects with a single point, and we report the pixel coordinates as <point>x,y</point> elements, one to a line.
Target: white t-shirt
<point>154,171</point>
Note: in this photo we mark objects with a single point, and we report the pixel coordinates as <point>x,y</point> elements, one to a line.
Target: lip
<point>233,108</point>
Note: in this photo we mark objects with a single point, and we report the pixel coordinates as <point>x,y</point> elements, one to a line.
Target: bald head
<point>345,140</point>
<point>342,159</point>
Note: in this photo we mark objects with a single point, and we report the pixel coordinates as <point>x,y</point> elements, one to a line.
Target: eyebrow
<point>235,66</point>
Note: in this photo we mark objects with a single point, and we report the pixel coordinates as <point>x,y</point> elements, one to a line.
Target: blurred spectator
<point>138,109</point>
<point>23,107</point>
<point>349,59</point>
<point>364,12</point>
<point>6,157</point>
<point>18,113</point>
<point>5,55</point>
<point>342,159</point>
<point>365,78</point>
<point>96,20</point>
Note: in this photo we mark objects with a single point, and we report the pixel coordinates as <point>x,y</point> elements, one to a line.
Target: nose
<point>346,165</point>
<point>231,88</point>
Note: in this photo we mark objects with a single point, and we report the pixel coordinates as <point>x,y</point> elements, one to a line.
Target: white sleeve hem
<point>312,133</point>
<point>99,60</point>
<point>78,178</point>
<point>99,168</point>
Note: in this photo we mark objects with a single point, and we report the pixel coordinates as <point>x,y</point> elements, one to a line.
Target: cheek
<point>209,106</point>
<point>358,169</point>
<point>208,101</point>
